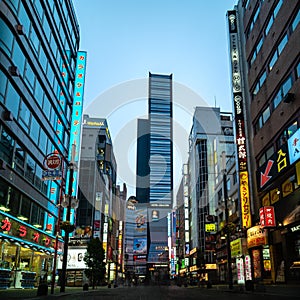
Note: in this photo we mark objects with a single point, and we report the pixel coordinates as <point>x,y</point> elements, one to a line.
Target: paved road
<point>157,293</point>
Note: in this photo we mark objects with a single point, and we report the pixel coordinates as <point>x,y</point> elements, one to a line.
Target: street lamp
<point>68,215</point>
<point>230,279</point>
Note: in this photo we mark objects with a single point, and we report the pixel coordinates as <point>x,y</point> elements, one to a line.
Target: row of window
<point>33,85</point>
<point>276,52</point>
<point>29,122</point>
<point>284,136</point>
<point>13,154</point>
<point>281,93</point>
<point>254,17</point>
<point>25,69</point>
<point>20,206</point>
<point>261,40</point>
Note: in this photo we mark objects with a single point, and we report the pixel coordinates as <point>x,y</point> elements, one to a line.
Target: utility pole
<point>230,279</point>
<point>68,216</point>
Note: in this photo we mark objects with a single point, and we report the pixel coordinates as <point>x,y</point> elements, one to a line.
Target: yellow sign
<point>298,172</point>
<point>236,247</point>
<point>274,195</point>
<point>245,200</point>
<point>265,201</point>
<point>210,266</point>
<point>287,188</point>
<point>193,251</point>
<point>211,227</point>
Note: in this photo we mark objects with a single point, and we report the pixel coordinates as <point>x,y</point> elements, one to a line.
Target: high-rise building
<point>40,71</point>
<point>155,169</point>
<point>264,53</point>
<point>211,134</point>
<point>101,202</point>
<point>142,163</point>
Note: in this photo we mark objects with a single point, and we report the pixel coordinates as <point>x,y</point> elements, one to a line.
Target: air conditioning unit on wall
<point>20,29</point>
<point>7,115</point>
<point>288,98</point>
<point>13,70</point>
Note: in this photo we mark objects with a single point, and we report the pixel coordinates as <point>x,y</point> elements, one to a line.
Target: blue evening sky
<point>127,39</point>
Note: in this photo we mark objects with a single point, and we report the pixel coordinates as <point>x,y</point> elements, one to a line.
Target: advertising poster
<point>140,246</point>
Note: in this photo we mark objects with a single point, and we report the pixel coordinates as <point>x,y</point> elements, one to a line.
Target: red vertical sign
<point>267,216</point>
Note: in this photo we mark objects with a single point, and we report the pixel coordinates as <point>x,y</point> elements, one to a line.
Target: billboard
<point>74,260</point>
<point>140,246</point>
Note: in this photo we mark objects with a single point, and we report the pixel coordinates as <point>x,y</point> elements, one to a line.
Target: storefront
<point>26,254</point>
<point>259,250</point>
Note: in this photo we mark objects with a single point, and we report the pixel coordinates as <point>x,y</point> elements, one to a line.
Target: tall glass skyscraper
<point>161,136</point>
<point>155,171</point>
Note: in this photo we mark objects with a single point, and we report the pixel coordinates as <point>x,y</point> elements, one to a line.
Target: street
<point>170,292</point>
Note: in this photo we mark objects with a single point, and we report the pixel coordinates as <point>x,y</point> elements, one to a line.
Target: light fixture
<point>38,225</point>
<point>223,237</point>
<point>22,218</point>
<point>4,208</point>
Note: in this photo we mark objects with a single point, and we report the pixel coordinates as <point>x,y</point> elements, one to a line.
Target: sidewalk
<point>30,294</point>
<point>284,290</point>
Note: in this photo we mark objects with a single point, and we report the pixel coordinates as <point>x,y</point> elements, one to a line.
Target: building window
<point>296,21</point>
<point>260,82</point>
<point>267,154</point>
<point>283,90</point>
<point>256,50</point>
<point>278,51</point>
<point>234,177</point>
<point>286,134</point>
<point>273,16</point>
<point>6,147</point>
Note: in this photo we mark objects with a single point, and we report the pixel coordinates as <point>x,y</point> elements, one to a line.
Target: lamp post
<point>230,279</point>
<point>68,215</point>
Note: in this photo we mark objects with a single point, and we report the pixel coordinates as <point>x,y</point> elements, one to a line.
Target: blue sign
<point>294,146</point>
<point>51,175</point>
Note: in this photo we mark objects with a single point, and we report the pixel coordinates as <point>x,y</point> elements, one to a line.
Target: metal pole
<point>66,238</point>
<point>57,233</point>
<point>230,279</point>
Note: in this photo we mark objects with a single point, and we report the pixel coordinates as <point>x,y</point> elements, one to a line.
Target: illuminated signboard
<point>245,200</point>
<point>294,147</point>
<point>76,121</point>
<point>267,216</point>
<point>240,271</point>
<point>11,227</point>
<point>140,246</point>
<point>256,236</point>
<point>210,227</point>
<point>236,247</point>
<point>238,103</point>
<point>75,259</point>
<point>275,166</point>
<point>248,272</point>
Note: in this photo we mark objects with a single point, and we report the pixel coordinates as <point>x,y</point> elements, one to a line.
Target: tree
<point>94,260</point>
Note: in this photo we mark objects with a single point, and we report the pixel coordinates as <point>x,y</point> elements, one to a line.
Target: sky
<point>125,40</point>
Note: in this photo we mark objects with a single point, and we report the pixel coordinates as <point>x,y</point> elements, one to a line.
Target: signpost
<point>53,171</point>
<point>52,164</point>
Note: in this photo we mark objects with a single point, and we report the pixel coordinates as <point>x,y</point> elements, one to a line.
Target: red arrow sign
<point>264,178</point>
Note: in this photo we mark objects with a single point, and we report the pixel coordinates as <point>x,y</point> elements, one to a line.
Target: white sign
<point>248,273</point>
<point>75,259</point>
<point>240,271</point>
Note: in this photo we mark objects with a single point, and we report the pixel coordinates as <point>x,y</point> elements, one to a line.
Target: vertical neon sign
<point>75,132</point>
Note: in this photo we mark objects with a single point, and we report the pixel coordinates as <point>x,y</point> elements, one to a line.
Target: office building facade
<point>101,202</point>
<point>38,68</point>
<point>268,47</point>
<point>155,170</point>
